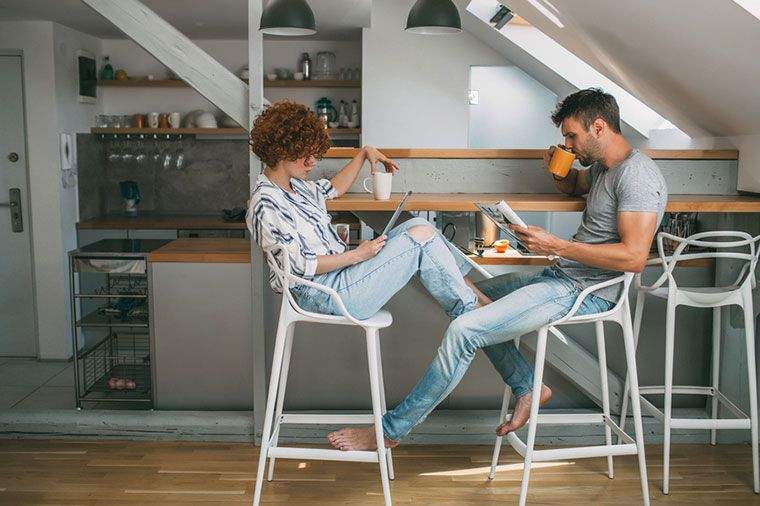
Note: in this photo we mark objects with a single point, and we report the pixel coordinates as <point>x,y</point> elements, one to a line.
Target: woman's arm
<point>365,251</point>
<point>343,180</point>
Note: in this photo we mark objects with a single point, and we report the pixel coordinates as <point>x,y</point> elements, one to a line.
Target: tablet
<point>396,214</point>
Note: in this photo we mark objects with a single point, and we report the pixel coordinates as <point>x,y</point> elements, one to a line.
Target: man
<point>625,203</point>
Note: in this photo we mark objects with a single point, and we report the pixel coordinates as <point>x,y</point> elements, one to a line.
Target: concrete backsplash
<point>215,176</point>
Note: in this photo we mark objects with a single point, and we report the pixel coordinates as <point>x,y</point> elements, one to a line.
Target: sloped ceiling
<point>694,62</point>
<point>198,19</point>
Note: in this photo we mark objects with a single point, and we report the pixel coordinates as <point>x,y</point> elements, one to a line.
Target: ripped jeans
<point>366,287</point>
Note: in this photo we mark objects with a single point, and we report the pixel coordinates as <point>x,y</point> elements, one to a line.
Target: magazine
<point>501,214</point>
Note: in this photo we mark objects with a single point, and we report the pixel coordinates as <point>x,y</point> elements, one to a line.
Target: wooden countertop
<point>531,154</point>
<point>157,221</point>
<point>216,250</point>
<point>533,202</point>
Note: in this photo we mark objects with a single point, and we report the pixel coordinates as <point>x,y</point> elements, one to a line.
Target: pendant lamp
<point>287,17</point>
<point>434,17</point>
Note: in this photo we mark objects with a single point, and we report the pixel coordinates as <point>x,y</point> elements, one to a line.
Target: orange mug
<point>561,161</point>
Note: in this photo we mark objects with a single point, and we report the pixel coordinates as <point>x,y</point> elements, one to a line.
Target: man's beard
<point>591,153</point>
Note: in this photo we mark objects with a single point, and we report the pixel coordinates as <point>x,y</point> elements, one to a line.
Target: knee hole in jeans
<point>421,233</point>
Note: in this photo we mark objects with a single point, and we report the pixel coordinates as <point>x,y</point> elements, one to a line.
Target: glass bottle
<point>106,73</point>
<point>305,65</point>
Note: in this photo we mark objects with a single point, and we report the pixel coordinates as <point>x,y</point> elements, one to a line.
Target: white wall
<point>233,54</point>
<point>73,117</point>
<point>414,87</point>
<point>749,162</point>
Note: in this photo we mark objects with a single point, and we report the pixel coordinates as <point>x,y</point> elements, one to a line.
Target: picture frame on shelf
<point>86,77</point>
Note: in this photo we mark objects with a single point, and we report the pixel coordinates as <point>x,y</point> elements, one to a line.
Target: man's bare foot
<point>521,414</point>
<point>360,438</point>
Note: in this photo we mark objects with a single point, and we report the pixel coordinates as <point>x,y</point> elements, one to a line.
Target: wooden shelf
<point>314,83</point>
<point>178,83</point>
<point>200,131</point>
<point>530,154</point>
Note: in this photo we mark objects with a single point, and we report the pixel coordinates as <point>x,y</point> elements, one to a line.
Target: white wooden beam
<point>259,282</point>
<point>207,76</point>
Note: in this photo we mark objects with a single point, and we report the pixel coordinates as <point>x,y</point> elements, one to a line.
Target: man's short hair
<point>586,106</point>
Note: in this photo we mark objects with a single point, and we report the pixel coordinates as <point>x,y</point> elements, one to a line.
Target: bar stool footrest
<point>627,448</point>
<point>284,452</point>
<point>325,419</point>
<point>742,420</point>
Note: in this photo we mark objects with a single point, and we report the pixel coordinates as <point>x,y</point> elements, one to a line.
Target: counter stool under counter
<point>201,333</point>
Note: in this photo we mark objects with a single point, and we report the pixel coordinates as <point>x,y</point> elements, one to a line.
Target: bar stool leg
<point>602,354</point>
<point>497,447</point>
<point>502,417</point>
<point>281,395</point>
<point>391,473</point>
<point>630,357</point>
<point>374,380</point>
<point>670,324</point>
<point>640,297</point>
<point>715,369</point>
<point>279,350</point>
<point>749,329</point>
<point>538,374</point>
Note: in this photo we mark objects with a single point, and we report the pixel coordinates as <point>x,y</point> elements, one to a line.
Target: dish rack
<point>111,328</point>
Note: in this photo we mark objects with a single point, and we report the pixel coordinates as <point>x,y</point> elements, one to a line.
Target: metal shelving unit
<point>111,321</point>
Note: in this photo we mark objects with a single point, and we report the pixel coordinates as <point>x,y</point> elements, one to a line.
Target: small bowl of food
<point>501,246</point>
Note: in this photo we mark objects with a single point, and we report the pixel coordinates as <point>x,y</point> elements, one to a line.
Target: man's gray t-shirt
<point>635,184</point>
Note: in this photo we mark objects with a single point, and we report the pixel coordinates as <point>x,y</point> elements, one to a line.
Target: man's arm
<point>343,180</point>
<point>636,231</point>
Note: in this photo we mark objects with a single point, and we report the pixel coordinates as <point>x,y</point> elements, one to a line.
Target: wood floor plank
<point>169,473</point>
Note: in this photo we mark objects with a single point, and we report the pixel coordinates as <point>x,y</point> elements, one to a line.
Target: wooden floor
<point>141,473</point>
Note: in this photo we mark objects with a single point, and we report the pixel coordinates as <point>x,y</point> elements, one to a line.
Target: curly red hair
<point>288,131</point>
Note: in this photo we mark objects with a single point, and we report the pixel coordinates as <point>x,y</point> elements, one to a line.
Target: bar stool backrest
<point>570,317</point>
<point>280,263</point>
<point>746,245</point>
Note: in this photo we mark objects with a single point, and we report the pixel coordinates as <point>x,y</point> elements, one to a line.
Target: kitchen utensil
<point>325,110</point>
<point>325,67</point>
<point>381,185</point>
<point>131,195</point>
<point>561,161</point>
<point>152,120</point>
<point>206,120</point>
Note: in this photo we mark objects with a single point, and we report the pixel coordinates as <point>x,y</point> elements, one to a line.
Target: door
<point>18,336</point>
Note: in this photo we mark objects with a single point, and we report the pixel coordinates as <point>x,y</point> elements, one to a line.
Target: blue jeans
<point>366,287</point>
<point>523,302</point>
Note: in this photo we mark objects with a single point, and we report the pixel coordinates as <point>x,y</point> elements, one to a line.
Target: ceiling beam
<point>167,44</point>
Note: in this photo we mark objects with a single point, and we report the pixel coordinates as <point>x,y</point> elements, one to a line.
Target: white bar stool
<point>290,313</point>
<point>739,293</point>
<point>620,314</point>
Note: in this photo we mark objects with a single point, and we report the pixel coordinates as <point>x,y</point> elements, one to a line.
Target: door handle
<point>14,203</point>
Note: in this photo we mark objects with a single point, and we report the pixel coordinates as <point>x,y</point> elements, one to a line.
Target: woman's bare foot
<point>353,439</point>
<point>521,414</point>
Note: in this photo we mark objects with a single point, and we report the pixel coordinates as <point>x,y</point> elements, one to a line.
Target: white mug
<point>152,120</point>
<point>174,120</point>
<point>381,185</point>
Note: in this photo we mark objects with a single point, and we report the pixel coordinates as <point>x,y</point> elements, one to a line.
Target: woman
<point>287,209</point>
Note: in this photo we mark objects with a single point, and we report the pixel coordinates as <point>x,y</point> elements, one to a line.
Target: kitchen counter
<point>218,250</point>
<point>533,202</point>
<point>157,221</point>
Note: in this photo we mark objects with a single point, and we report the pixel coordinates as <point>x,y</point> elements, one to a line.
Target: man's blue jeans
<point>522,303</point>
<point>365,287</point>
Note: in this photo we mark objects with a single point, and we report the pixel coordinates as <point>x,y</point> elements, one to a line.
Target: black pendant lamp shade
<point>434,17</point>
<point>288,17</point>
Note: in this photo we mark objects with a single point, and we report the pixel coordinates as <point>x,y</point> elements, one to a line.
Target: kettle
<point>131,195</point>
<point>325,110</point>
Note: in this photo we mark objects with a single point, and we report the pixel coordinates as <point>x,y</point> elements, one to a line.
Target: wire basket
<point>118,356</point>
